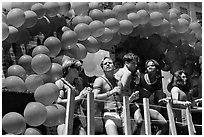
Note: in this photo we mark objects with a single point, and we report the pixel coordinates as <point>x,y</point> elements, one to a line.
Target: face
<point>132,65</point>
<point>108,65</point>
<point>151,66</point>
<point>184,78</point>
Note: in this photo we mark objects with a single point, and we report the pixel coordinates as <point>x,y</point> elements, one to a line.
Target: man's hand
<point>84,92</point>
<point>134,96</point>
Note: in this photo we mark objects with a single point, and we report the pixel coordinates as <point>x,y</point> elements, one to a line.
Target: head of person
<point>131,61</point>
<point>151,66</point>
<point>71,68</point>
<point>180,79</point>
<point>107,64</point>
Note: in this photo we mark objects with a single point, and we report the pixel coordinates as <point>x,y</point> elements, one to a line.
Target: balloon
<point>31,19</point>
<point>92,44</point>
<point>173,18</point>
<point>126,27</point>
<point>53,116</point>
<point>54,45</point>
<point>62,114</point>
<point>80,8</point>
<point>64,7</point>
<point>186,16</point>
<point>5,31</point>
<point>32,131</point>
<point>116,38</point>
<point>196,27</point>
<point>47,93</point>
<point>41,50</point>
<point>46,78</point>
<point>152,6</point>
<point>107,36</point>
<point>13,34</point>
<point>39,9</point>
<point>107,14</point>
<point>182,26</point>
<point>113,24</point>
<point>94,5</point>
<point>77,19</point>
<point>17,70</point>
<point>52,8</point>
<point>35,114</point>
<point>141,6</point>
<point>41,63</point>
<point>97,28</point>
<point>32,82</point>
<point>83,31</point>
<point>134,18</point>
<point>120,12</point>
<point>144,16</point>
<point>79,51</point>
<point>16,17</point>
<point>156,18</point>
<point>22,5</point>
<point>69,39</point>
<point>25,62</point>
<point>130,7</point>
<point>96,14</point>
<point>55,72</point>
<point>163,7</point>
<point>65,28</point>
<point>14,83</point>
<point>165,26</point>
<point>174,10</point>
<point>13,123</point>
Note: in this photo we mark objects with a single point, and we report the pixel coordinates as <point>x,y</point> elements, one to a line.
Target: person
<point>127,77</point>
<point>71,81</point>
<point>151,84</point>
<point>180,87</point>
<point>107,92</point>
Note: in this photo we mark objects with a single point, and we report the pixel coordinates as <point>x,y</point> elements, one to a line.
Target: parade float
<point>39,36</point>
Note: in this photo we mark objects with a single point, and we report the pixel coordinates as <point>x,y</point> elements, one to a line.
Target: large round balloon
<point>130,7</point>
<point>55,72</point>
<point>54,45</point>
<point>14,83</point>
<point>17,70</point>
<point>53,116</point>
<point>186,16</point>
<point>182,26</point>
<point>79,51</point>
<point>40,49</point>
<point>113,24</point>
<point>141,6</point>
<point>35,114</point>
<point>120,12</point>
<point>16,17</point>
<point>52,8</point>
<point>97,28</point>
<point>144,16</point>
<point>107,36</point>
<point>32,131</point>
<point>25,62</point>
<point>13,123</point>
<point>32,82</point>
<point>80,8</point>
<point>62,111</point>
<point>165,26</point>
<point>107,14</point>
<point>13,34</point>
<point>5,31</point>
<point>47,94</point>
<point>156,18</point>
<point>96,14</point>
<point>31,19</point>
<point>81,19</point>
<point>152,6</point>
<point>126,27</point>
<point>41,63</point>
<point>173,18</point>
<point>69,39</point>
<point>39,9</point>
<point>92,44</point>
<point>196,27</point>
<point>83,31</point>
<point>163,7</point>
<point>134,18</point>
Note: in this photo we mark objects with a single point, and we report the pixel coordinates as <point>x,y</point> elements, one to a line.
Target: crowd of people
<point>115,83</point>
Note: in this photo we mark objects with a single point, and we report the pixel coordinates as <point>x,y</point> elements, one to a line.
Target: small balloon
<point>141,6</point>
<point>39,9</point>
<point>134,18</point>
<point>113,24</point>
<point>13,34</point>
<point>13,123</point>
<point>126,27</point>
<point>31,19</point>
<point>41,63</point>
<point>144,16</point>
<point>96,14</point>
<point>47,94</point>
<point>107,14</point>
<point>32,82</point>
<point>120,12</point>
<point>14,83</point>
<point>35,114</point>
<point>40,49</point>
<point>156,18</point>
<point>69,39</point>
<point>92,44</point>
<point>32,131</point>
<point>182,26</point>
<point>52,8</point>
<point>55,72</point>
<point>107,36</point>
<point>17,70</point>
<point>25,62</point>
<point>83,31</point>
<point>16,17</point>
<point>130,7</point>
<point>97,28</point>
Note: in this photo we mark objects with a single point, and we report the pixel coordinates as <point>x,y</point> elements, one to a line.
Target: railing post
<point>191,128</point>
<point>126,111</point>
<point>90,114</point>
<point>147,116</point>
<point>68,129</point>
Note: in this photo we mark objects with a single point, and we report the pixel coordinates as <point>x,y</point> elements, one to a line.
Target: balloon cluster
<point>87,31</point>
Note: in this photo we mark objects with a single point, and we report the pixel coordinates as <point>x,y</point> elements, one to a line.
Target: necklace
<point>146,77</point>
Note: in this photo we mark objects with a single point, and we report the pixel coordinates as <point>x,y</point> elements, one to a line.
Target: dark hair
<point>71,63</point>
<point>104,59</point>
<point>130,57</point>
<point>177,81</point>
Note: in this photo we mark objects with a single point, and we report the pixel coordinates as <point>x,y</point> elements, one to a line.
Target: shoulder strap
<point>107,81</point>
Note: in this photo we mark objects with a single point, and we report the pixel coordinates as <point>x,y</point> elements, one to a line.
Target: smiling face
<point>151,67</point>
<point>107,65</point>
